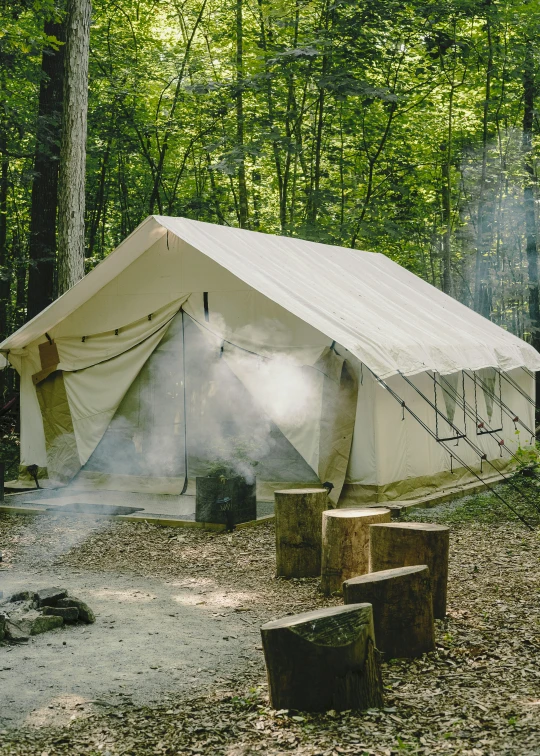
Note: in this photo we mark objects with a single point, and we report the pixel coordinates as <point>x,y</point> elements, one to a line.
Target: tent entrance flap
<point>144,441</point>
<point>63,461</point>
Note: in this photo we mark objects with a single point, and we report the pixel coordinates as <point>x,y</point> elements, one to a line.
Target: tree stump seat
<point>345,543</point>
<point>406,544</point>
<point>298,513</point>
<point>324,659</point>
<point>402,609</point>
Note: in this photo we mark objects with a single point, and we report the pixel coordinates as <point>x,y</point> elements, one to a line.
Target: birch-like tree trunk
<point>73,146</point>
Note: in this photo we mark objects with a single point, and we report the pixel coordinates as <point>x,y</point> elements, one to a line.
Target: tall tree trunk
<point>242,188</point>
<point>482,288</point>
<point>313,200</point>
<point>528,203</point>
<point>20,264</point>
<point>5,276</point>
<point>71,195</point>
<point>100,198</point>
<point>528,194</point>
<point>447,279</point>
<point>5,273</point>
<point>157,169</point>
<point>42,243</point>
<point>289,133</point>
<point>271,119</point>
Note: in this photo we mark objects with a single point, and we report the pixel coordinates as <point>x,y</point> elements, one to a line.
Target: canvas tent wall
<point>278,315</point>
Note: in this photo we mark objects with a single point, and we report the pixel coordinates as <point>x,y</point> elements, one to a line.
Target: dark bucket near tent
<point>226,502</point>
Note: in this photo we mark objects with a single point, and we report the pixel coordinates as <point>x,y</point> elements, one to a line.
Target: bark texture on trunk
<point>322,660</point>
<point>299,531</point>
<point>71,196</point>
<point>42,243</point>
<point>345,544</point>
<point>408,544</point>
<point>402,609</point>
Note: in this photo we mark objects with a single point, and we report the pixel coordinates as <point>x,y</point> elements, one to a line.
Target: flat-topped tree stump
<point>402,609</point>
<point>322,660</point>
<point>345,544</point>
<point>405,544</point>
<point>298,514</point>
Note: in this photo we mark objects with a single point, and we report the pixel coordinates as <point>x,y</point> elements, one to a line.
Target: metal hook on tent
<point>403,410</point>
<point>451,464</point>
<point>501,444</point>
<point>361,373</point>
<point>167,238</point>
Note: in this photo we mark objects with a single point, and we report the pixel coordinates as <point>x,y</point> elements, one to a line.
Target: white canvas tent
<point>192,338</point>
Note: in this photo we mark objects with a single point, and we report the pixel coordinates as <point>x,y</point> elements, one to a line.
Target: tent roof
<point>386,316</point>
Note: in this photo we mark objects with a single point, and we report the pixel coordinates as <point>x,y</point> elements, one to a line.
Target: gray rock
<point>21,596</point>
<point>23,618</point>
<point>85,613</point>
<point>49,596</point>
<point>44,623</point>
<point>68,613</point>
<point>3,620</point>
<point>15,634</point>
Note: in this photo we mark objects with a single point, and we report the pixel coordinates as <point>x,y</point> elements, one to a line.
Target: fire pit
<point>28,613</point>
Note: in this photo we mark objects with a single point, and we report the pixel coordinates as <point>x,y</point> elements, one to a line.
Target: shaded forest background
<point>407,128</point>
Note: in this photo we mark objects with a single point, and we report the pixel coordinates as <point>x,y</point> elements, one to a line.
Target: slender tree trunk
<point>482,288</point>
<point>157,170</point>
<point>5,275</point>
<point>242,188</point>
<point>42,242</point>
<point>447,281</point>
<point>100,198</point>
<point>528,203</point>
<point>271,117</point>
<point>71,195</point>
<point>289,134</point>
<point>21,266</point>
<point>528,194</point>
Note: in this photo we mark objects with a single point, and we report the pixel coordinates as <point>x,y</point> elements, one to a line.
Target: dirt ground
<point>141,681</point>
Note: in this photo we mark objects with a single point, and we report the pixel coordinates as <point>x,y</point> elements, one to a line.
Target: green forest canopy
<point>403,127</point>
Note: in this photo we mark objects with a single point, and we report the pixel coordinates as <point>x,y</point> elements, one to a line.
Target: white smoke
<point>245,391</point>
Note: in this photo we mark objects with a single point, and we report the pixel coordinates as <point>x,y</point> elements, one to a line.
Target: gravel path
<point>152,636</point>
